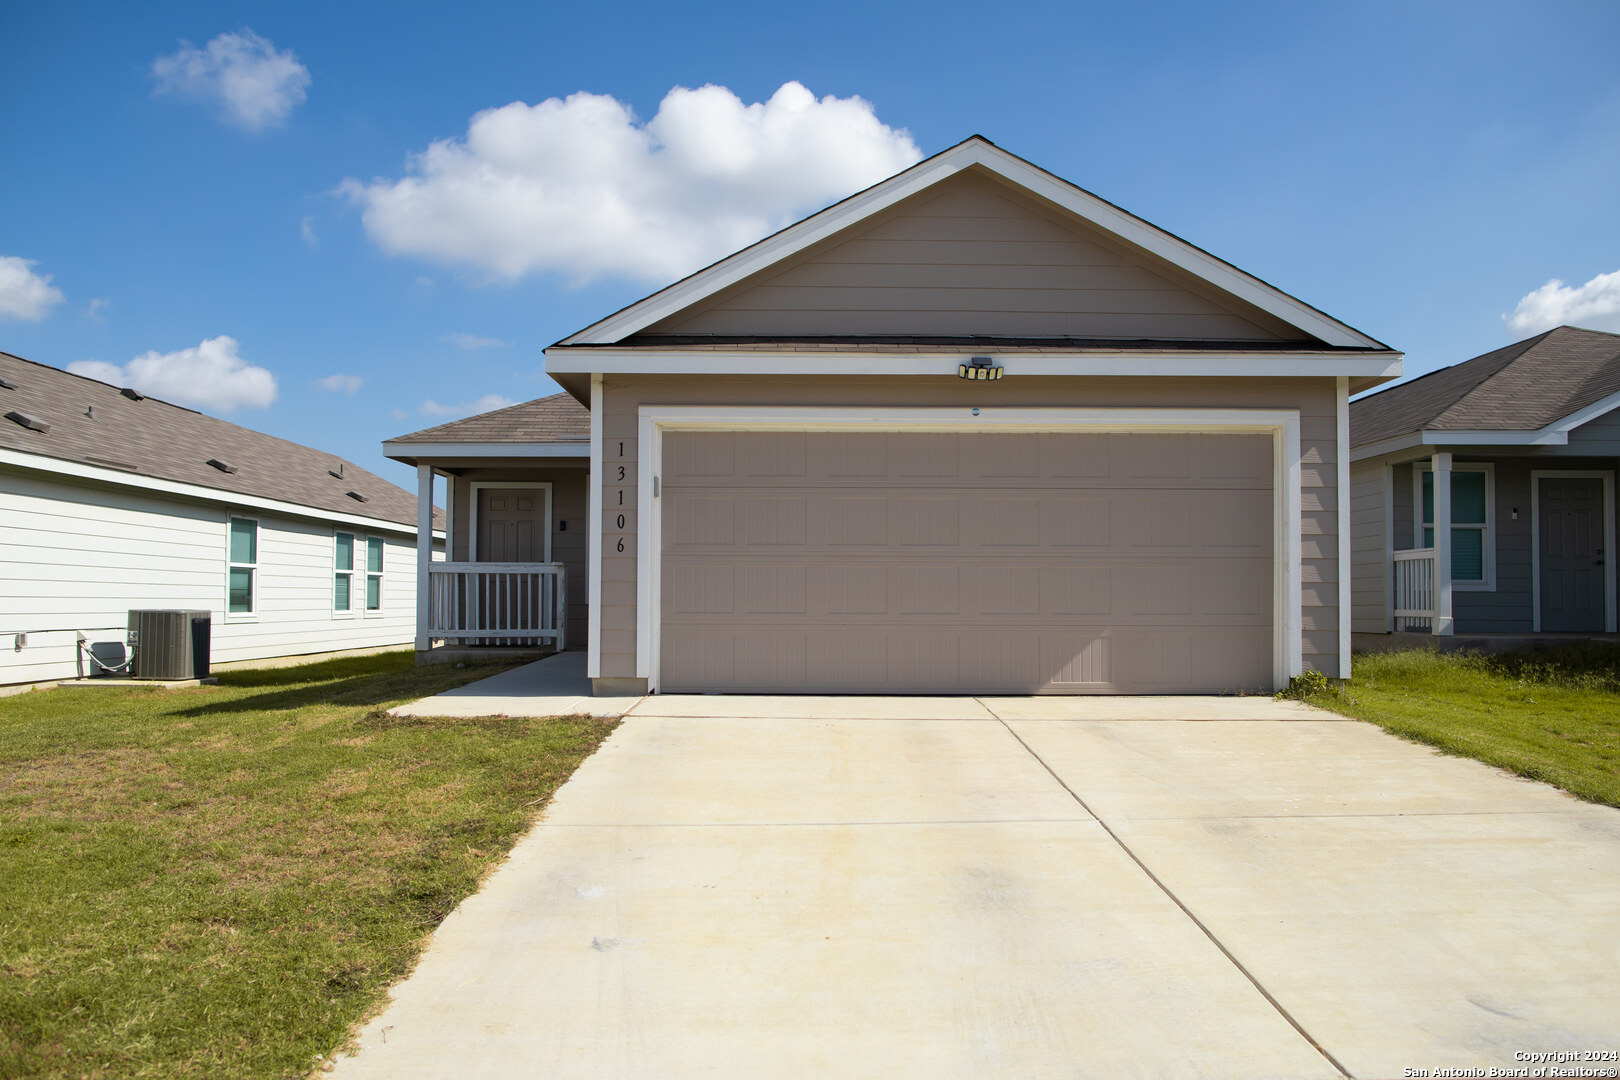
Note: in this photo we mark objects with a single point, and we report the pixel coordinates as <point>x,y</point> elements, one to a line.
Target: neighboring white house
<point>111,501</point>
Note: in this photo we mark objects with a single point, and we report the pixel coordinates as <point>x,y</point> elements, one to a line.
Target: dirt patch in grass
<point>219,882</point>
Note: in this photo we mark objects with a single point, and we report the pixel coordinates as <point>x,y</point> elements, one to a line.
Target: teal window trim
<point>343,545</point>
<point>1473,542</point>
<point>376,559</point>
<point>241,567</point>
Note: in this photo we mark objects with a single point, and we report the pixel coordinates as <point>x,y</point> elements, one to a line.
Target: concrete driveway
<point>892,887</point>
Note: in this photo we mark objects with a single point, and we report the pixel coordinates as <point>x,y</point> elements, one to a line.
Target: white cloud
<point>346,384</point>
<point>400,414</point>
<point>96,309</point>
<point>1595,305</point>
<point>23,293</point>
<point>210,375</point>
<point>580,187</point>
<point>487,403</point>
<point>255,85</point>
<point>306,229</point>
<point>471,341</point>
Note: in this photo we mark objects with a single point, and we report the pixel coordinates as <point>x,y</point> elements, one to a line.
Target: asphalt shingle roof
<point>558,418</point>
<point>1520,387</point>
<point>96,424</point>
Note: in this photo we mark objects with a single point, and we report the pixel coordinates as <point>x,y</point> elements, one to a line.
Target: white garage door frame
<point>1282,424</point>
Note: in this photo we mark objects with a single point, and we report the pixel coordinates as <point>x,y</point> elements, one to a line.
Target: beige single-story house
<point>1483,498</point>
<point>971,430</point>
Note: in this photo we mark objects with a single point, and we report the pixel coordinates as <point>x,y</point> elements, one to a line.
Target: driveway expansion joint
<point>1185,910</point>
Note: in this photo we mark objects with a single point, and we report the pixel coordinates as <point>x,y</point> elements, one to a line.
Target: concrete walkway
<point>555,686</point>
<point>738,887</point>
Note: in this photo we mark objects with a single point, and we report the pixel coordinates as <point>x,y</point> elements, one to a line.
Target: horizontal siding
<point>79,557</point>
<point>974,258</point>
<point>1369,563</point>
<point>1596,438</point>
<point>1319,526</point>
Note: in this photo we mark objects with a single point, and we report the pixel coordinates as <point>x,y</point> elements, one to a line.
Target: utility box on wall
<point>170,644</point>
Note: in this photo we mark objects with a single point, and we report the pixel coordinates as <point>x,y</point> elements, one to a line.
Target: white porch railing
<point>498,603</point>
<point>1414,590</point>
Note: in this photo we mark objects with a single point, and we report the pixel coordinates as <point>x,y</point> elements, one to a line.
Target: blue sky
<point>1415,169</point>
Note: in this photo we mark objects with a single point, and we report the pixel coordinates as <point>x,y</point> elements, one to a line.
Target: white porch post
<point>1441,463</point>
<point>424,552</point>
<point>450,517</point>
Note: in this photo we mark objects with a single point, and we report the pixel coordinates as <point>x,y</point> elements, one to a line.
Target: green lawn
<point>220,881</point>
<point>1551,714</point>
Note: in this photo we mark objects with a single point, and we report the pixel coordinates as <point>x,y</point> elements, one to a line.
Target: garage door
<point>825,562</point>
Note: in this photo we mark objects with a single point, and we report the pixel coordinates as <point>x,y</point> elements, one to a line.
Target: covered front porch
<point>513,483</point>
<point>1489,548</point>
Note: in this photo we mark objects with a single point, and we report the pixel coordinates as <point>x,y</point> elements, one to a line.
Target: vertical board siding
<point>77,556</point>
<point>1369,563</point>
<point>976,258</point>
<point>1315,398</point>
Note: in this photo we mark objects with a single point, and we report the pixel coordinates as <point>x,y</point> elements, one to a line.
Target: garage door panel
<point>927,522</point>
<point>1011,658</point>
<point>700,453</point>
<point>774,454</point>
<point>701,520</point>
<point>774,520</point>
<point>841,659</point>
<point>1005,577</point>
<point>1007,522</point>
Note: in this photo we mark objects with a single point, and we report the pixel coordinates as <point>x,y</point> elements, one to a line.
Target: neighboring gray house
<point>972,430</point>
<point>1517,450</point>
<point>111,500</point>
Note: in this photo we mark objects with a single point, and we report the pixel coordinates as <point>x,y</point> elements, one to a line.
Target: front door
<point>511,529</point>
<point>1571,554</point>
<point>511,525</point>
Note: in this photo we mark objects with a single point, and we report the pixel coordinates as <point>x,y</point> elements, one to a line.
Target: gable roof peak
<point>975,150</point>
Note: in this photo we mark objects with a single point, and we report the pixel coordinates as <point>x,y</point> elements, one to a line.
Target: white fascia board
<point>1541,437</point>
<point>1098,212</point>
<point>1547,436</point>
<point>61,467</point>
<point>1215,364</point>
<point>398,450</point>
<point>1014,418</point>
<point>1582,416</point>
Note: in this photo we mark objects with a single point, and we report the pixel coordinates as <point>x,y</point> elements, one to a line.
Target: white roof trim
<point>975,151</point>
<point>63,467</point>
<point>699,361</point>
<point>398,450</point>
<point>1553,434</point>
<point>1591,412</point>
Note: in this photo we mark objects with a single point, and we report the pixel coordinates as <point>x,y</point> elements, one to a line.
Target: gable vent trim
<point>32,423</point>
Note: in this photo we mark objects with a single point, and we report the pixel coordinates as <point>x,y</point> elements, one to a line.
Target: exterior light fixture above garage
<point>982,368</point>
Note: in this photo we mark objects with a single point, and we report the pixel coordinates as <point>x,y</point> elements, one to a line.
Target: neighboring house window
<point>1473,541</point>
<point>343,574</point>
<point>242,576</point>
<point>374,573</point>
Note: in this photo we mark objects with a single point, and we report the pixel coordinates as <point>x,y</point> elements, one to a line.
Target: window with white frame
<point>343,575</point>
<point>242,571</point>
<point>374,574</point>
<point>1473,525</point>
